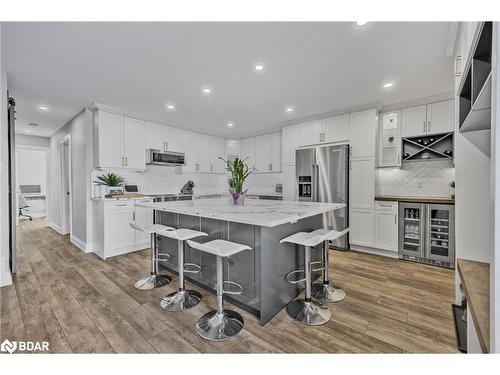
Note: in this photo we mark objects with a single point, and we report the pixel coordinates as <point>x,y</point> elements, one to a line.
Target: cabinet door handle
<point>123,162</point>
<point>425,123</point>
<point>428,126</point>
<point>126,161</point>
<point>133,215</point>
<point>166,146</point>
<point>395,218</point>
<point>399,156</point>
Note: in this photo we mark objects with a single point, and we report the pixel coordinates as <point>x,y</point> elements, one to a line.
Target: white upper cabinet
<point>268,153</point>
<point>217,149</point>
<point>134,140</point>
<point>414,121</point>
<point>120,142</point>
<point>290,143</point>
<point>441,117</point>
<point>109,138</point>
<point>330,130</point>
<point>247,151</point>
<point>310,133</point>
<point>232,149</point>
<point>362,183</point>
<point>336,129</point>
<point>163,138</point>
<point>389,154</point>
<point>197,149</point>
<point>428,119</point>
<point>362,133</point>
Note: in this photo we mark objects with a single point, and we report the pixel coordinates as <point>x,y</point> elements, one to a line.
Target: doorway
<point>66,191</point>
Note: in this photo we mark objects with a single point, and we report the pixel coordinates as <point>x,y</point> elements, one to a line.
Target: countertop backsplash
<point>427,179</point>
<point>165,180</point>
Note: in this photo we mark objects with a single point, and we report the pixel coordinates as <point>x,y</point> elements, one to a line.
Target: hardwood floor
<point>80,303</point>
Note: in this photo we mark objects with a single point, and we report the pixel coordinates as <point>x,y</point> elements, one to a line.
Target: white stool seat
<point>221,248</point>
<point>314,238</point>
<point>183,234</point>
<point>151,229</point>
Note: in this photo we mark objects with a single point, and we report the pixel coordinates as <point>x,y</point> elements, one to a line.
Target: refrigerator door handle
<point>314,192</point>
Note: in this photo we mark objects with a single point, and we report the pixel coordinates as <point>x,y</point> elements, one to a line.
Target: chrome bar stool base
<point>327,293</point>
<point>181,300</point>
<point>152,281</point>
<point>219,327</point>
<point>308,313</point>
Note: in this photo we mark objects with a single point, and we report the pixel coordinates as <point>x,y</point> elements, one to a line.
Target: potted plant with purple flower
<point>239,173</point>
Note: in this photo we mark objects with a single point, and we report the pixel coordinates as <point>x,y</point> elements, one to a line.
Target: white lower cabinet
<point>361,224</point>
<point>113,234</point>
<point>386,226</point>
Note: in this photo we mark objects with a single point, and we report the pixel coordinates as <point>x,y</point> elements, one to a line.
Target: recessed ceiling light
<point>361,23</point>
<point>230,124</point>
<point>289,109</point>
<point>170,107</point>
<point>27,130</point>
<point>259,67</point>
<point>42,108</point>
<point>388,84</point>
<point>206,90</point>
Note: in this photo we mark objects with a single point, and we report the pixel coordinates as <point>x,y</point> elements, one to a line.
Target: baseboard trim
<point>371,250</point>
<point>83,246</point>
<point>56,227</point>
<point>5,276</point>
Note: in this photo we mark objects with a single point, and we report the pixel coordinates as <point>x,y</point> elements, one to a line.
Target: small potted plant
<point>239,173</point>
<point>112,183</point>
<point>452,185</point>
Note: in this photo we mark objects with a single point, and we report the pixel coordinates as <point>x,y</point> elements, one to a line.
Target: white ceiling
<point>140,67</point>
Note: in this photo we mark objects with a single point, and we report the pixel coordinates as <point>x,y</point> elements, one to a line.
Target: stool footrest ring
<point>192,268</point>
<point>287,277</point>
<point>162,257</point>
<point>237,292</point>
<point>317,269</point>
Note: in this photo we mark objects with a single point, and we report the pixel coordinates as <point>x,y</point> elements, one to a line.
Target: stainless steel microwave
<point>167,158</point>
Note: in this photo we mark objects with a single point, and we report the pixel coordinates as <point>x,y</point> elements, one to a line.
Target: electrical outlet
<point>420,185</point>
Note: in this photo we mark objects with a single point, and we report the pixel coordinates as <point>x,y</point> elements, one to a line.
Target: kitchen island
<point>260,224</point>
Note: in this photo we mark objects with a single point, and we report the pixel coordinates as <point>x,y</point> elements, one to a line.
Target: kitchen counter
<point>399,198</point>
<point>259,224</point>
<point>124,198</point>
<point>267,213</point>
<point>475,277</point>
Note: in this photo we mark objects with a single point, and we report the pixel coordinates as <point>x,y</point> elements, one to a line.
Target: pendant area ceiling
<point>142,67</point>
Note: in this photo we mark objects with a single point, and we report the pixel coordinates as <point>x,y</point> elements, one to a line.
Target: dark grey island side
<point>259,224</point>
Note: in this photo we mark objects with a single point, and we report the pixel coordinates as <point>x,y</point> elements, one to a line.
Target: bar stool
<point>153,280</point>
<point>220,324</point>
<point>324,291</point>
<point>305,311</point>
<point>182,299</point>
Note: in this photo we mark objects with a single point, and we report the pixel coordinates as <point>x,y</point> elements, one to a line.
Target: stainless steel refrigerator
<point>322,175</point>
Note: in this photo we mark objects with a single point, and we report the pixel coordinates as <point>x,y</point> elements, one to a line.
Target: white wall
<point>5,278</point>
<point>31,167</point>
<point>80,130</point>
<point>32,141</point>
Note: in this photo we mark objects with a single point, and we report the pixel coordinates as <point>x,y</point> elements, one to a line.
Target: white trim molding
<point>5,276</point>
<point>82,245</point>
<point>56,227</point>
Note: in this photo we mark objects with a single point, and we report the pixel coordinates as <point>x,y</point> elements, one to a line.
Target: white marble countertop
<point>267,213</point>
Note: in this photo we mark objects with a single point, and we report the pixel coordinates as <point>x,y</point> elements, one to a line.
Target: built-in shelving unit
<point>475,92</point>
<point>429,147</point>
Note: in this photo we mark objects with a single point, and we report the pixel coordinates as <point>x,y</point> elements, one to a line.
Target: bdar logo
<point>8,346</point>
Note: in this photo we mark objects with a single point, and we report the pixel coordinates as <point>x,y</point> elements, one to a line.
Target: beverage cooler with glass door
<point>427,233</point>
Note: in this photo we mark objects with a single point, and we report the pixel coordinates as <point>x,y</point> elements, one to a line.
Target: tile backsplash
<point>167,180</point>
<point>429,178</point>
